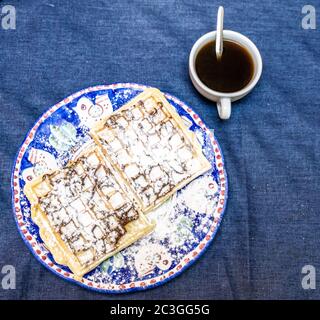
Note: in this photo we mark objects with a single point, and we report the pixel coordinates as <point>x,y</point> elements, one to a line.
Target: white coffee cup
<point>223,99</point>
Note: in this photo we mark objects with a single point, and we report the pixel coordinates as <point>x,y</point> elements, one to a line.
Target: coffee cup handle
<point>224,108</point>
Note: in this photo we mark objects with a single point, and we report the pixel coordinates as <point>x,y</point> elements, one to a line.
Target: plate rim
<point>48,112</point>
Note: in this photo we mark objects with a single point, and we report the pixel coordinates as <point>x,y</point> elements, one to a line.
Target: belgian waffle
<point>84,213</point>
<point>95,206</point>
<point>149,145</point>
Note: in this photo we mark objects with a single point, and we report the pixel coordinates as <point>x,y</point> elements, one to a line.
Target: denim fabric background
<point>271,143</point>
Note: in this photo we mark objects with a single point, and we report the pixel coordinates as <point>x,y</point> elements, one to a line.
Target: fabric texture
<point>271,143</point>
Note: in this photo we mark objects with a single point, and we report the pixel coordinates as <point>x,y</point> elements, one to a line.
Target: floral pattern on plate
<point>186,223</point>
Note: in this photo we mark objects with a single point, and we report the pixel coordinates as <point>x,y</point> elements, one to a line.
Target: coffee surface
<point>232,73</point>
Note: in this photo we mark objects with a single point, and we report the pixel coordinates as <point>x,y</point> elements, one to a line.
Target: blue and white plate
<point>186,223</point>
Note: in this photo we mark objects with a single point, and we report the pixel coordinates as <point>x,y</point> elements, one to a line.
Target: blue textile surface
<point>271,143</point>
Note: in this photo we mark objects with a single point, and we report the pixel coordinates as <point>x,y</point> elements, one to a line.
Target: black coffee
<point>232,73</point>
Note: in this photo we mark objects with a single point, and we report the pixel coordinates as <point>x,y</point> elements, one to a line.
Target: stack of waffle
<point>96,205</point>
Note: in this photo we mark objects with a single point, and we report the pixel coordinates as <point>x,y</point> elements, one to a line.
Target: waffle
<point>84,213</point>
<point>148,144</point>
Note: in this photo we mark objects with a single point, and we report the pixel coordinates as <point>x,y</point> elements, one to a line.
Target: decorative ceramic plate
<point>186,223</point>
